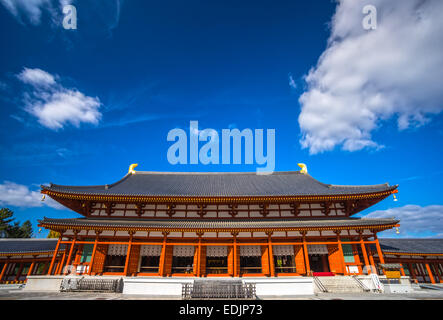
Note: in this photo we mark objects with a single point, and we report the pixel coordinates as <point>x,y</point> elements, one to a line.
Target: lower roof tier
<point>217,225</point>
<point>29,246</point>
<point>417,246</point>
<point>412,245</point>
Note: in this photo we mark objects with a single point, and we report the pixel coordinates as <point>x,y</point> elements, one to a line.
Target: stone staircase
<point>218,289</point>
<point>340,284</point>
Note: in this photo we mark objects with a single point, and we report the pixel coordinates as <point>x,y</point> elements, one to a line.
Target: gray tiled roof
<point>391,266</point>
<point>219,184</point>
<point>412,245</point>
<point>217,224</point>
<point>12,245</point>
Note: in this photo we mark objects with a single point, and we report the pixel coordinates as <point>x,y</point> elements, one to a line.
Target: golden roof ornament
<point>304,168</point>
<point>131,168</point>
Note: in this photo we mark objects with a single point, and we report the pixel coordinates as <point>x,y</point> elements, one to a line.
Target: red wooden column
<point>340,251</point>
<point>402,270</point>
<point>325,262</point>
<point>379,252</point>
<point>437,269</point>
<point>271,254</point>
<point>91,263</point>
<point>363,249</point>
<point>31,268</point>
<point>60,265</point>
<point>71,250</point>
<point>429,272</point>
<point>161,268</point>
<point>128,253</point>
<point>412,272</point>
<point>235,267</point>
<point>19,271</point>
<point>4,269</point>
<point>306,254</point>
<point>55,255</point>
<point>199,254</point>
<point>371,257</point>
<point>59,268</point>
<point>231,261</point>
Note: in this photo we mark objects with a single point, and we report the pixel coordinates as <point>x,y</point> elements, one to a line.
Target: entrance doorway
<point>319,262</point>
<point>183,259</point>
<point>216,260</point>
<point>250,259</point>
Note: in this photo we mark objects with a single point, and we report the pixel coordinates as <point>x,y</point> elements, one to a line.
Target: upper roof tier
<point>168,184</point>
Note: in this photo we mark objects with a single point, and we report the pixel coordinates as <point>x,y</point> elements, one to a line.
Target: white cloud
<point>415,221</point>
<point>17,195</point>
<point>54,105</point>
<point>365,77</point>
<point>36,77</point>
<point>32,10</point>
<point>67,106</point>
<point>292,83</point>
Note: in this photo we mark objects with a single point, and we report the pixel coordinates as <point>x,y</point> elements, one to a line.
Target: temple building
<point>284,224</point>
<point>218,224</point>
<point>20,258</point>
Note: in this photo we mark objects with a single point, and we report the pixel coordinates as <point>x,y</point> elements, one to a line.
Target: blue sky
<point>79,106</point>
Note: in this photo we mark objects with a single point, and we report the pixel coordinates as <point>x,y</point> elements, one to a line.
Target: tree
<point>26,229</point>
<point>15,230</point>
<point>53,234</point>
<point>19,231</point>
<point>5,219</point>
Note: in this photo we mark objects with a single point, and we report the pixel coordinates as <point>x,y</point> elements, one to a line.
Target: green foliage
<point>53,234</point>
<point>5,219</point>
<point>13,230</point>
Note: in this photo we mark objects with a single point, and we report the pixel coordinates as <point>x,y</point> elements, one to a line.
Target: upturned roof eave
<point>220,224</point>
<point>167,198</point>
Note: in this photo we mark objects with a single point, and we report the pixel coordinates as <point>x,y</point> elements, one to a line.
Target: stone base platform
<point>265,287</point>
<point>43,283</point>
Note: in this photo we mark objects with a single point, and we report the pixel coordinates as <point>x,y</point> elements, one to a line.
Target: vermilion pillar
<point>371,258</point>
<point>306,255</point>
<point>271,255</point>
<point>55,255</point>
<point>199,256</point>
<point>71,250</point>
<point>91,263</point>
<point>402,270</point>
<point>412,272</point>
<point>161,268</point>
<point>365,256</point>
<point>60,265</point>
<point>128,253</point>
<point>437,269</point>
<point>340,251</point>
<point>429,272</point>
<point>4,270</point>
<point>19,272</point>
<point>236,264</point>
<point>31,268</point>
<point>379,252</point>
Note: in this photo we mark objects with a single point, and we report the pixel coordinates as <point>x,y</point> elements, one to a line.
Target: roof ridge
<point>88,186</point>
<point>359,186</point>
<point>214,172</point>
